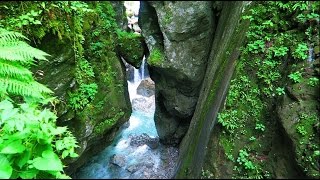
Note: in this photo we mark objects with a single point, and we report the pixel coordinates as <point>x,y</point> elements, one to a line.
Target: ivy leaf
<point>13,148</point>
<point>37,22</point>
<point>48,164</point>
<point>48,154</point>
<point>5,105</point>
<point>58,130</point>
<point>65,153</point>
<point>25,157</point>
<point>5,167</point>
<point>59,145</point>
<point>29,174</point>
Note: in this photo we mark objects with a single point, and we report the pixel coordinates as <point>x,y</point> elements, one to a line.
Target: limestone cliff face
<point>179,37</point>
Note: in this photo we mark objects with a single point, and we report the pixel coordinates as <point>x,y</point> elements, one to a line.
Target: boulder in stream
<point>146,88</point>
<point>118,160</point>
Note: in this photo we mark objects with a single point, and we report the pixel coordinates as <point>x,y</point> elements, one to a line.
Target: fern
<point>12,48</point>
<point>14,70</point>
<point>14,77</point>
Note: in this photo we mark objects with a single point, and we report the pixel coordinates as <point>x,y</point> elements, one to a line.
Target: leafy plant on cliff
<point>31,145</point>
<point>85,94</point>
<point>280,34</point>
<point>156,57</point>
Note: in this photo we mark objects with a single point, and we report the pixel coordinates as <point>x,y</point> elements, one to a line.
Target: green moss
<point>130,46</point>
<point>107,124</point>
<point>168,16</point>
<point>156,57</point>
<point>308,148</point>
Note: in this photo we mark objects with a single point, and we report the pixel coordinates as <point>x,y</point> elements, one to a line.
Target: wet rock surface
<point>146,88</point>
<point>143,139</point>
<point>156,162</point>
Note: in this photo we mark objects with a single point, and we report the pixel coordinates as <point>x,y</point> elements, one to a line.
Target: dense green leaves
<point>27,134</point>
<point>13,147</point>
<point>5,167</point>
<point>280,37</point>
<point>30,134</point>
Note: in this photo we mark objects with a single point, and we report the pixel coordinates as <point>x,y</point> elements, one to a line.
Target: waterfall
<point>142,67</point>
<point>310,56</point>
<point>136,76</point>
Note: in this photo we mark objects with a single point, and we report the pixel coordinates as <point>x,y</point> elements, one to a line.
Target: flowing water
<point>130,155</point>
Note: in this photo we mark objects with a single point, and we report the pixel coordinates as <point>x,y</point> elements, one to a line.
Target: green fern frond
<point>17,87</point>
<point>14,70</point>
<point>14,77</point>
<point>6,36</point>
<point>20,51</point>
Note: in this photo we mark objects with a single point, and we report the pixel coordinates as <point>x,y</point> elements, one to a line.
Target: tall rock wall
<point>179,37</point>
<point>100,115</point>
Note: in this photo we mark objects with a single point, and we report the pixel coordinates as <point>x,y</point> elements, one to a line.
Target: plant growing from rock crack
<point>295,77</point>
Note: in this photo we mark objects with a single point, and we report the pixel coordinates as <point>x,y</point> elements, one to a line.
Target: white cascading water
<point>140,122</point>
<point>139,75</point>
<point>142,67</point>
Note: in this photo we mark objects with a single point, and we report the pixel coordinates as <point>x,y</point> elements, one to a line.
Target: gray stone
<point>153,143</point>
<point>146,88</point>
<point>118,160</point>
<point>132,168</point>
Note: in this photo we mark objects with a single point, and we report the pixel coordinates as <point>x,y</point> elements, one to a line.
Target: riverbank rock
<point>146,87</point>
<point>118,160</point>
<point>143,139</point>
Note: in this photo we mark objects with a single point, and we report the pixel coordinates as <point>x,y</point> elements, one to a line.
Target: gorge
<point>195,89</point>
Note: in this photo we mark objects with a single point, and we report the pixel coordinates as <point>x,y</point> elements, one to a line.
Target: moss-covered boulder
<point>131,47</point>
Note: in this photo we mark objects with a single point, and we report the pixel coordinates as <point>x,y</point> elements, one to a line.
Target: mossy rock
<point>132,48</point>
<point>156,57</point>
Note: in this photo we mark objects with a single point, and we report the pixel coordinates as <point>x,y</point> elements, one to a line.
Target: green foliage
<point>14,77</point>
<point>280,91</point>
<point>280,35</point>
<point>252,138</point>
<point>83,96</point>
<point>301,130</point>
<point>280,51</point>
<point>256,46</point>
<point>206,174</point>
<point>267,71</point>
<point>309,143</point>
<point>29,142</point>
<point>313,81</point>
<point>260,127</point>
<point>301,51</point>
<point>108,123</point>
<point>228,119</point>
<point>156,57</point>
<point>29,18</point>
<point>29,136</point>
<point>295,77</point>
<point>243,160</point>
